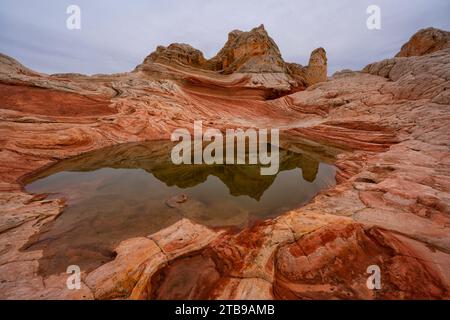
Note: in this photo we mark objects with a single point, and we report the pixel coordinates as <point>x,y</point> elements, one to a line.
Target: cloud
<point>116,35</point>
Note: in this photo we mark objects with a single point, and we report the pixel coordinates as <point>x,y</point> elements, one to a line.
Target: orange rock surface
<point>390,206</point>
<point>425,41</point>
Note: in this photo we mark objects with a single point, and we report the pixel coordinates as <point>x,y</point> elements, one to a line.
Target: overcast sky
<point>116,35</point>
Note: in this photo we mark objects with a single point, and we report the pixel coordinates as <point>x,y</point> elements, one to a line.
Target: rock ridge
<point>253,52</point>
<point>386,129</point>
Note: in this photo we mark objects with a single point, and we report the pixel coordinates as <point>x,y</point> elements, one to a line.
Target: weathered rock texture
<point>425,41</point>
<point>390,207</point>
<point>253,53</point>
<point>177,54</point>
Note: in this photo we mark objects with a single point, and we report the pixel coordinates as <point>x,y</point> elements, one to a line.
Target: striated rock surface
<point>317,67</point>
<point>387,126</point>
<point>253,53</point>
<point>424,77</point>
<point>12,66</point>
<point>138,259</point>
<point>332,262</point>
<point>177,54</point>
<point>245,52</point>
<point>425,41</point>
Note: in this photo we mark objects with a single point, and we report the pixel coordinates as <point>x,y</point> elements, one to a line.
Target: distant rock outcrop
<point>9,65</point>
<point>177,53</point>
<point>427,52</point>
<point>316,71</point>
<point>253,52</point>
<point>425,41</point>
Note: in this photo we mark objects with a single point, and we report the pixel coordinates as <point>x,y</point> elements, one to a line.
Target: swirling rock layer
<point>389,126</point>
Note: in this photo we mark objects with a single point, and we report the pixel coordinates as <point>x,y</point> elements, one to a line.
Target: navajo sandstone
<point>390,206</point>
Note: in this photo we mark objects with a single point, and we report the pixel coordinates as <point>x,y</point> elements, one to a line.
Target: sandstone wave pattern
<point>388,123</point>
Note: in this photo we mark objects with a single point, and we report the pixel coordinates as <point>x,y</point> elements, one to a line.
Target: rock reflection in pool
<point>126,191</point>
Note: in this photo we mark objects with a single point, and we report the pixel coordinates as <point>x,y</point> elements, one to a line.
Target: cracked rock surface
<point>390,207</point>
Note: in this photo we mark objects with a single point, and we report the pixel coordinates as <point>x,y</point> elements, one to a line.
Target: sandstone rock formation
<point>177,54</point>
<point>12,66</point>
<point>317,67</point>
<point>253,53</point>
<point>425,41</point>
<point>387,126</point>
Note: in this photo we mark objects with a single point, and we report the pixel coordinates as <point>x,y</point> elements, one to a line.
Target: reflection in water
<point>129,190</point>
